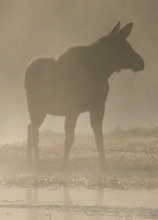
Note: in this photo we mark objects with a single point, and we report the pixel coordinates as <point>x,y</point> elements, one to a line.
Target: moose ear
<point>115,29</point>
<point>125,31</point>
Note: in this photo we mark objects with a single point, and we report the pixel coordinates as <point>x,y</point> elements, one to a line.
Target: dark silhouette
<point>77,82</point>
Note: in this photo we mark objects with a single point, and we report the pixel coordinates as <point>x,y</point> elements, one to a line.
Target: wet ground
<point>128,190</point>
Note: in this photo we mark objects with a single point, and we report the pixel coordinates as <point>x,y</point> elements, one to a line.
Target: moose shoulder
<point>77,82</point>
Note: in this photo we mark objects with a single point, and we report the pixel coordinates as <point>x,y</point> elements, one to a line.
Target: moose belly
<point>65,107</point>
<point>67,104</point>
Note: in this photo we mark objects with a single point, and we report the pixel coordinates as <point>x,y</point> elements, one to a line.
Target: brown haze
<point>34,28</point>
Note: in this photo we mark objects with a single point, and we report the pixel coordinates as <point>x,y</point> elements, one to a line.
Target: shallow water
<point>77,203</point>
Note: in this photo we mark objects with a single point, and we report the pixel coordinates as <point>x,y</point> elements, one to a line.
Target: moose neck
<point>102,63</point>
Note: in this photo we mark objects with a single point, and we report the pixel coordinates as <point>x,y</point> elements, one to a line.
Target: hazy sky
<point>48,27</point>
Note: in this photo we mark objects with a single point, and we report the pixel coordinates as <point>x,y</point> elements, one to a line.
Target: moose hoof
<point>103,168</point>
<point>63,169</point>
<point>29,165</point>
<point>38,165</point>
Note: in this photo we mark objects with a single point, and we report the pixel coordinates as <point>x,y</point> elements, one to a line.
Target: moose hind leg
<point>35,138</point>
<point>70,123</point>
<point>96,117</point>
<point>29,146</point>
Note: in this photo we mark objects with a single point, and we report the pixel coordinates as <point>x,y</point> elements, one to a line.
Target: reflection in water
<point>32,200</point>
<point>65,204</point>
<point>99,198</point>
<point>99,202</point>
<point>76,203</point>
<point>69,202</point>
<point>32,196</point>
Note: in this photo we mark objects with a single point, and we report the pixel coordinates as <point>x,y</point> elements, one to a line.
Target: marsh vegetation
<point>131,161</point>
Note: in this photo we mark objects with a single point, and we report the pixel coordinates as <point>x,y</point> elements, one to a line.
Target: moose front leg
<point>96,117</point>
<point>70,123</point>
<point>32,144</point>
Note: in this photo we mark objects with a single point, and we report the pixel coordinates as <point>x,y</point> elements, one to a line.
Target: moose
<point>77,82</point>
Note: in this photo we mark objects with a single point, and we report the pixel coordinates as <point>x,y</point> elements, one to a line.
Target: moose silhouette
<point>76,82</point>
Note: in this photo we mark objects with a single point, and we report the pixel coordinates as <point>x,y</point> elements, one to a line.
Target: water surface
<point>77,203</point>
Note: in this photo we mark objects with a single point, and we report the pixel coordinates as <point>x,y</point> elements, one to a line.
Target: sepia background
<point>33,28</point>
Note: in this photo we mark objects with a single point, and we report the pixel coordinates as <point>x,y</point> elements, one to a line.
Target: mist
<point>35,28</point>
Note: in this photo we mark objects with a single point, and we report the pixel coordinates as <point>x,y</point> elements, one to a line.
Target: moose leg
<point>35,139</point>
<point>29,146</point>
<point>96,117</point>
<point>70,123</point>
<point>32,142</point>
